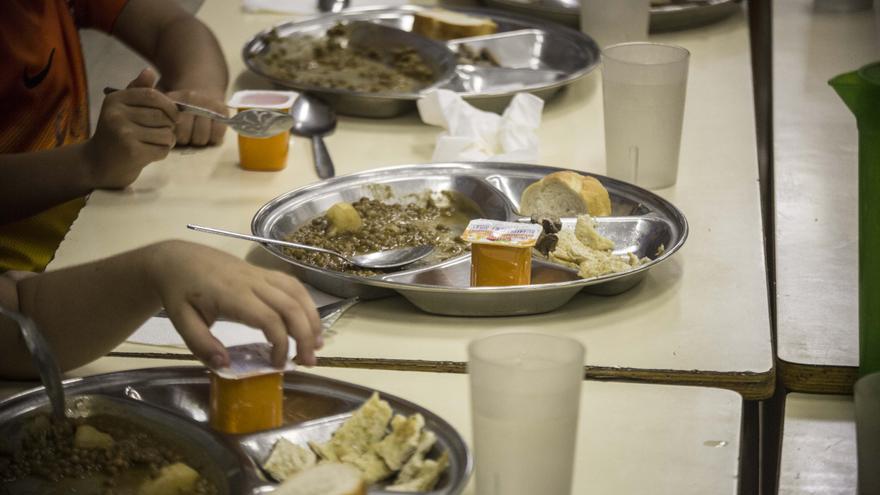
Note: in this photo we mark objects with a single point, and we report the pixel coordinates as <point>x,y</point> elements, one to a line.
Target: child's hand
<point>194,130</point>
<point>198,284</point>
<point>135,128</point>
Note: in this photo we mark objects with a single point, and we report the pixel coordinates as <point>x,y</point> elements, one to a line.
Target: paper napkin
<point>476,135</point>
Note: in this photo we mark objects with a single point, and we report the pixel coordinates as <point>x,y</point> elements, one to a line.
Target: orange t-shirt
<point>44,101</point>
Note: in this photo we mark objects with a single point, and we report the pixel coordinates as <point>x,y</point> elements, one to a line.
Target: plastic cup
<point>644,85</point>
<point>263,154</point>
<point>525,393</point>
<point>615,21</point>
<point>867,405</point>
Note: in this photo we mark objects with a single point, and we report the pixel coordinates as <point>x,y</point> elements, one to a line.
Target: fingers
<point>184,128</point>
<point>295,319</point>
<point>149,98</point>
<point>198,338</point>
<point>149,117</point>
<point>254,312</point>
<point>293,288</point>
<point>146,79</point>
<point>201,131</point>
<point>217,132</point>
<point>162,136</point>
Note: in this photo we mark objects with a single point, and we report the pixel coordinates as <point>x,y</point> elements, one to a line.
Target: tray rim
<point>588,43</point>
<point>398,286</point>
<point>32,399</point>
<point>656,10</point>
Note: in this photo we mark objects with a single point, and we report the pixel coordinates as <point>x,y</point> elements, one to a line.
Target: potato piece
<point>343,218</point>
<point>87,437</point>
<point>176,479</point>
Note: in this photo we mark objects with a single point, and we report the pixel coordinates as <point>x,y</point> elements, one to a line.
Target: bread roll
<point>442,24</point>
<point>565,194</point>
<point>329,478</point>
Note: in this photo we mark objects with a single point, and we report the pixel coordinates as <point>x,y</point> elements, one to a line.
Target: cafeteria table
<point>701,318</point>
<point>816,194</point>
<point>818,445</point>
<point>632,438</point>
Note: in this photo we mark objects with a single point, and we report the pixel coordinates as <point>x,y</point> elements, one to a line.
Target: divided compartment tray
<point>444,288</point>
<point>172,403</point>
<point>564,55</point>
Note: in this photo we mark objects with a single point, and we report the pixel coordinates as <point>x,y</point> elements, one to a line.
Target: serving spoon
<point>377,260</point>
<point>255,122</point>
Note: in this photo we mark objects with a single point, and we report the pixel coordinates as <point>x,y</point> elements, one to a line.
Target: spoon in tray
<point>256,123</point>
<point>378,260</point>
<point>43,358</point>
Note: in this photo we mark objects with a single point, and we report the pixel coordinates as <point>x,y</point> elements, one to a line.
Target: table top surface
<point>700,318</point>
<point>632,438</point>
<point>816,192</point>
<point>818,445</point>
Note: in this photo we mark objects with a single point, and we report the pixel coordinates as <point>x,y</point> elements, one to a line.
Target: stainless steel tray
<point>670,17</point>
<point>556,49</point>
<point>173,403</point>
<point>496,188</point>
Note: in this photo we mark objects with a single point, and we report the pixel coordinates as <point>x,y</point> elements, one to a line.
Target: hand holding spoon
<point>257,123</point>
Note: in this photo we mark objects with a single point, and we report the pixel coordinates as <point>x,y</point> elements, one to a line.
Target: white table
<point>816,194</point>
<point>701,318</point>
<point>818,446</point>
<point>632,438</point>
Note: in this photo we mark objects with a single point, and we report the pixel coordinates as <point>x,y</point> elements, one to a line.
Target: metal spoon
<point>333,6</point>
<point>378,260</point>
<point>313,119</point>
<point>43,358</point>
<point>256,122</point>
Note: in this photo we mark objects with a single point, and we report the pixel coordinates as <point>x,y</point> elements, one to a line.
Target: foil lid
<point>482,231</point>
<point>249,360</point>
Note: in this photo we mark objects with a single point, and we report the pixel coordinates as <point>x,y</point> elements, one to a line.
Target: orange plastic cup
<point>263,154</point>
<point>247,405</point>
<point>494,266</point>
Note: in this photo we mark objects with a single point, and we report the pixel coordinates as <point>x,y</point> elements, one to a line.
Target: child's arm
<point>136,127</point>
<point>86,311</point>
<point>188,57</point>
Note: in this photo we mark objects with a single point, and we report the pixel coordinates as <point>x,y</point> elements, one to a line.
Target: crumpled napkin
<point>476,135</point>
<point>305,7</point>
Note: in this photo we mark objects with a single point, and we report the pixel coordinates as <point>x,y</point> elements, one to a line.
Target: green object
<point>860,90</point>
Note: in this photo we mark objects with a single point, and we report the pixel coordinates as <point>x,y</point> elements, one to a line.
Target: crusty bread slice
<point>328,478</point>
<point>565,194</point>
<point>442,24</point>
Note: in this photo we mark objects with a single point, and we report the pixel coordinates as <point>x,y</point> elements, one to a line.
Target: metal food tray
<point>566,53</point>
<point>172,404</point>
<point>650,222</point>
<point>669,17</point>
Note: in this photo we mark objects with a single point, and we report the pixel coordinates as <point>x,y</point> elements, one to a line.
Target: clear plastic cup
<point>644,87</point>
<point>615,21</point>
<point>525,393</point>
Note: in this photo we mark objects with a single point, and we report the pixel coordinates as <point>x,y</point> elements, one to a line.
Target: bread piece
<point>399,445</point>
<point>411,469</point>
<point>342,218</point>
<point>442,24</point>
<point>427,477</point>
<point>359,432</point>
<point>287,459</point>
<point>565,194</point>
<point>329,478</point>
<point>372,467</point>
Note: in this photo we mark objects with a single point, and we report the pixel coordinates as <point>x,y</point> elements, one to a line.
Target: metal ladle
<point>43,358</point>
<point>378,260</point>
<point>255,122</point>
